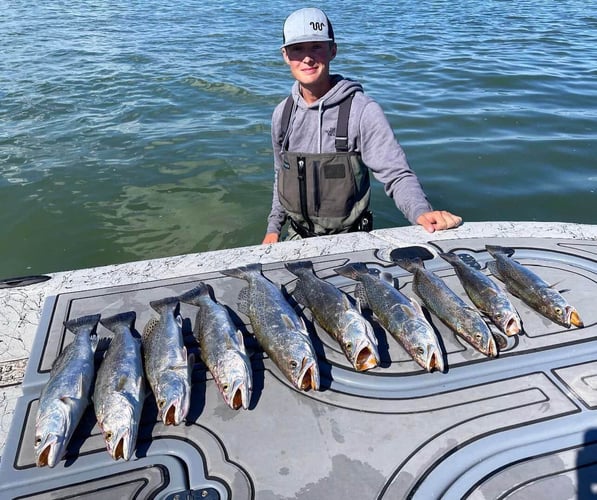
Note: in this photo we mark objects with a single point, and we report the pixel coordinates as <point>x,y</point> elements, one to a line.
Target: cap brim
<point>304,39</point>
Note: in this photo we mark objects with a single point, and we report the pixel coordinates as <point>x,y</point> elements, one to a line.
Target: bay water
<point>136,130</point>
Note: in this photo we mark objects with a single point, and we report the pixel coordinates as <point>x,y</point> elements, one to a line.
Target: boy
<point>326,137</point>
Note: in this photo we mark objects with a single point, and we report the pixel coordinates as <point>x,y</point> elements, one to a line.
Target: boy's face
<point>310,61</point>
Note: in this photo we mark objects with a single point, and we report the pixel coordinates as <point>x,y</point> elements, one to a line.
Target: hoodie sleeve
<point>382,153</point>
<point>277,215</point>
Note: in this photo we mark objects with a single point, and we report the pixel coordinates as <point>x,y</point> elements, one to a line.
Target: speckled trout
<point>454,312</point>
<point>167,366</point>
<point>521,282</point>
<point>222,347</point>
<point>65,396</point>
<point>277,327</point>
<point>487,296</point>
<point>119,387</point>
<point>337,315</point>
<point>401,316</point>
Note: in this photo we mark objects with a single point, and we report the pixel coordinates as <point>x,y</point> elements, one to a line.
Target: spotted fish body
<point>65,396</point>
<point>119,387</point>
<point>486,295</point>
<point>401,316</point>
<point>167,366</point>
<point>222,347</point>
<point>454,312</point>
<point>337,315</point>
<point>277,327</point>
<point>521,282</point>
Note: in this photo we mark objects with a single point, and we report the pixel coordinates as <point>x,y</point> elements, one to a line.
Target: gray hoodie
<point>313,130</point>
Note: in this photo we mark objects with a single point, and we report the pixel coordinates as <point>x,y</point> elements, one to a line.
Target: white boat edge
<point>21,307</point>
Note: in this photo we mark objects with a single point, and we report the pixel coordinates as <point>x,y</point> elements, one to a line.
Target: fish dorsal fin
<point>243,300</point>
<point>150,326</point>
<point>361,295</point>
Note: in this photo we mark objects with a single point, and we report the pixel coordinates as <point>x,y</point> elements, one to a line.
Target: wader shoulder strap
<point>285,122</point>
<point>341,126</point>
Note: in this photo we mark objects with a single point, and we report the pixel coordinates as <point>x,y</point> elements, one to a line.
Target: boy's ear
<point>334,51</point>
<point>285,55</point>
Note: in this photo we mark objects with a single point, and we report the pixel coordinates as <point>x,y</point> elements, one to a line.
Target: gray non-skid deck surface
<point>523,424</point>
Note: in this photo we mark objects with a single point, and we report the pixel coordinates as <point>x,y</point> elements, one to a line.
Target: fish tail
<point>300,266</point>
<point>496,249</point>
<point>121,320</point>
<point>410,265</point>
<point>243,272</point>
<point>77,325</point>
<point>195,295</point>
<point>450,257</point>
<point>353,270</point>
<point>165,304</point>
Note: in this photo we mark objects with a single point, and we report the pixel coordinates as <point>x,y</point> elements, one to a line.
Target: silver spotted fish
<point>401,316</point>
<point>487,296</point>
<point>521,282</point>
<point>167,366</point>
<point>277,327</point>
<point>222,347</point>
<point>65,396</point>
<point>337,315</point>
<point>454,312</point>
<point>119,387</point>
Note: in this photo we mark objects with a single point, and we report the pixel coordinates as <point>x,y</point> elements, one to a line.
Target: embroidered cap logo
<point>317,26</point>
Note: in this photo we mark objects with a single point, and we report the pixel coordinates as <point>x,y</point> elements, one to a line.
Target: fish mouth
<point>512,327</point>
<point>173,414</point>
<point>239,396</point>
<point>574,318</point>
<point>48,454</point>
<point>492,348</point>
<point>366,359</point>
<point>309,376</point>
<point>435,361</point>
<point>122,448</point>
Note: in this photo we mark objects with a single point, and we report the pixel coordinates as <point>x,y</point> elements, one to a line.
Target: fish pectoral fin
<point>346,304</point>
<point>240,341</point>
<point>79,387</point>
<point>121,383</point>
<point>416,305</point>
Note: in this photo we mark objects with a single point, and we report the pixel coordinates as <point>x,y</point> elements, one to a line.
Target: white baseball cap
<point>307,25</point>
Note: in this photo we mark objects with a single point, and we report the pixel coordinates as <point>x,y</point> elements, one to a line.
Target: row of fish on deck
<point>160,357</point>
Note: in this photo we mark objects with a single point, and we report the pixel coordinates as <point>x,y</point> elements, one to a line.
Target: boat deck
<point>521,425</point>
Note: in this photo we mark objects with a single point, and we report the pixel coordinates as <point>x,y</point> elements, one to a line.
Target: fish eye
<point>108,436</point>
<point>558,310</point>
<point>225,386</point>
<point>293,364</point>
<point>37,440</point>
<point>420,350</point>
<point>478,336</point>
<point>349,346</point>
<point>161,403</point>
